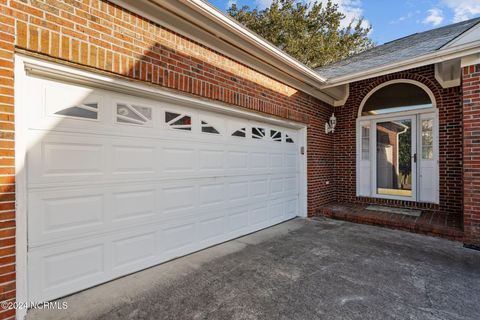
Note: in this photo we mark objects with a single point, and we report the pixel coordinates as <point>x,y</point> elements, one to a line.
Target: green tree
<point>310,32</point>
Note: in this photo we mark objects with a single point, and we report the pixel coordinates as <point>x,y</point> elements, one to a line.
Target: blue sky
<point>392,19</point>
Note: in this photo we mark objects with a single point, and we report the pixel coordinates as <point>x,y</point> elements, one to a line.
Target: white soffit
<point>448,73</point>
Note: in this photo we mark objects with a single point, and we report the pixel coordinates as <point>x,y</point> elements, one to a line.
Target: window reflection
<point>394,158</point>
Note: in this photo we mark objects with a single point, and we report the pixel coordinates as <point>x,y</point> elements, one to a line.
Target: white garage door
<point>118,183</point>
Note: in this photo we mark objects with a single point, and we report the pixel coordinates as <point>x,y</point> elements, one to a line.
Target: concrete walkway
<point>302,269</point>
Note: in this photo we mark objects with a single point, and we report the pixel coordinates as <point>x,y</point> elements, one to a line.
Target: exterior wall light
<point>330,125</point>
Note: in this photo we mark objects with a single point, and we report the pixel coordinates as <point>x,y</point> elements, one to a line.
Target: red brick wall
<point>7,161</point>
<point>450,130</point>
<point>471,151</point>
<point>100,36</point>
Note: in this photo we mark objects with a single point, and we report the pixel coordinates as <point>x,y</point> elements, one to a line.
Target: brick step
<point>429,223</point>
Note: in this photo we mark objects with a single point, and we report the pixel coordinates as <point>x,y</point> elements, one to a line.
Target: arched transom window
<point>396,97</point>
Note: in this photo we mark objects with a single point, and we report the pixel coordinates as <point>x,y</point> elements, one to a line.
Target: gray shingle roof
<point>405,48</point>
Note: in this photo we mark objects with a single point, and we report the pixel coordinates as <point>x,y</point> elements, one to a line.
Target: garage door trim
<point>54,71</point>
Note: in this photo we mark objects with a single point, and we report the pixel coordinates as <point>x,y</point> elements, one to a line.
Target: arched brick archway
<point>448,102</point>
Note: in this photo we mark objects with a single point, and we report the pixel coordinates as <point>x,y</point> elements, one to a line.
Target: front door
<point>396,157</point>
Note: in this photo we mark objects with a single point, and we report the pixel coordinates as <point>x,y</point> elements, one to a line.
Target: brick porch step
<point>431,223</point>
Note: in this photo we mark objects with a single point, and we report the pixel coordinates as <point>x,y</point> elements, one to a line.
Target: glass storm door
<point>395,157</point>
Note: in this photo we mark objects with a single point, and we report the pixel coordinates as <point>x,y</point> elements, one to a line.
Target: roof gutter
<point>233,26</point>
<point>427,59</point>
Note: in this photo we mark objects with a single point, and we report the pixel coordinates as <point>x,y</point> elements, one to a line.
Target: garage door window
<point>276,135</point>
<point>85,111</point>
<point>258,133</point>
<point>131,114</point>
<point>207,128</point>
<point>288,139</point>
<point>242,133</point>
<point>178,121</point>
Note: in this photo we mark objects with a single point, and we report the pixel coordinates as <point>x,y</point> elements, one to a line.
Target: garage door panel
<point>178,198</point>
<point>133,160</point>
<point>57,159</point>
<point>140,162</point>
<point>259,160</point>
<point>212,226</point>
<point>133,205</point>
<point>78,213</point>
<point>277,211</point>
<point>176,159</point>
<point>211,194</point>
<point>259,216</point>
<point>276,186</point>
<point>116,192</point>
<point>211,159</point>
<point>238,190</point>
<point>59,271</point>
<point>60,214</point>
<point>64,267</point>
<point>291,184</point>
<point>259,188</point>
<point>237,159</point>
<point>238,220</point>
<point>74,215</point>
<point>291,208</point>
<point>56,100</point>
<point>178,235</point>
<point>133,251</point>
<point>276,160</point>
<point>291,160</point>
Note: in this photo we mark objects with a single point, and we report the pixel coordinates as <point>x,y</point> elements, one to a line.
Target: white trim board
<point>21,241</point>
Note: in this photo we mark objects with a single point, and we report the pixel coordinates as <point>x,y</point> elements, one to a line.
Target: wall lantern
<point>330,125</point>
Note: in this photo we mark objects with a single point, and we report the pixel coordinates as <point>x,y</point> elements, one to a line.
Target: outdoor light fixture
<point>330,125</point>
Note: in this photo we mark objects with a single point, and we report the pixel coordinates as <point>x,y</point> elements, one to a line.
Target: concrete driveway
<point>302,269</point>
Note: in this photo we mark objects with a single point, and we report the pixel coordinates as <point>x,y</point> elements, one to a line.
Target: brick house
<point>134,132</point>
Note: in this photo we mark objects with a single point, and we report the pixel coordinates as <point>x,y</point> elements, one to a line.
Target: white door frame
<point>27,66</point>
<point>21,236</point>
<point>373,119</point>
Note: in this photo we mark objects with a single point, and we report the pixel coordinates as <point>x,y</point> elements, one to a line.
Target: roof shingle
<point>405,48</point>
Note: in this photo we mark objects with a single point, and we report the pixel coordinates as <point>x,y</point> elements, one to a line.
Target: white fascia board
<point>470,60</point>
<point>431,58</point>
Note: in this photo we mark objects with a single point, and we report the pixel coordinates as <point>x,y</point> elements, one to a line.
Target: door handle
<point>414,158</point>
